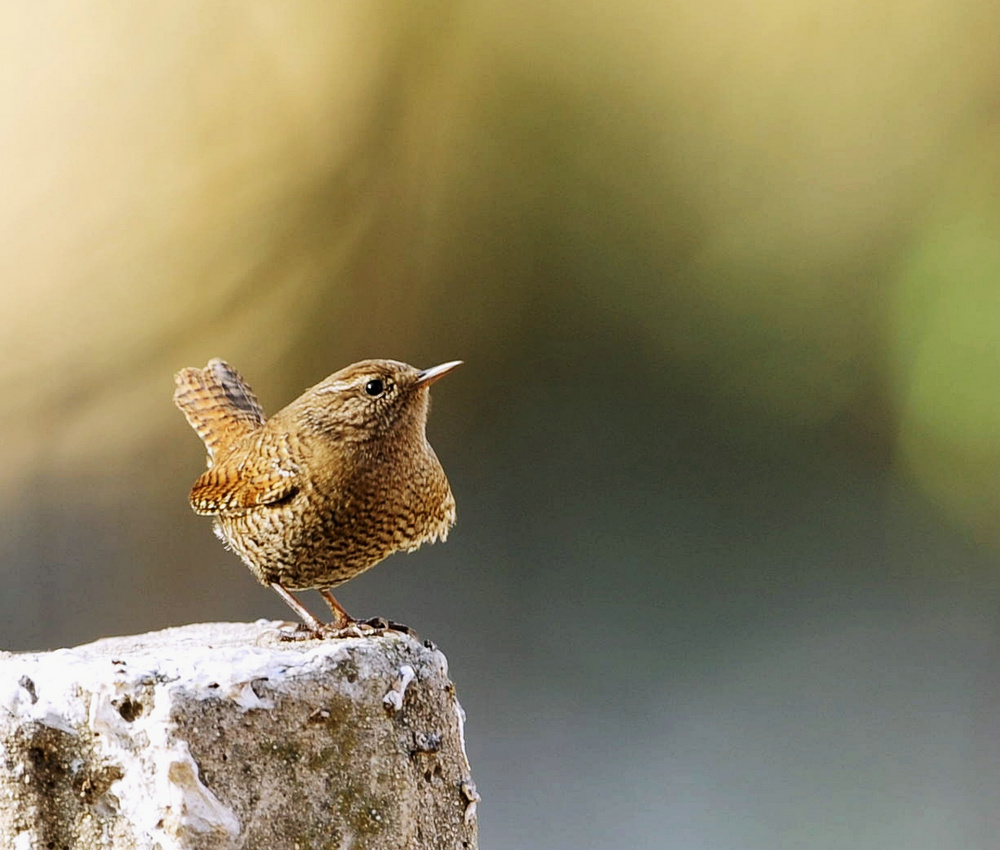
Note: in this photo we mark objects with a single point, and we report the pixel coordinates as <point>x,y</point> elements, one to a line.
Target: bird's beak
<point>429,376</point>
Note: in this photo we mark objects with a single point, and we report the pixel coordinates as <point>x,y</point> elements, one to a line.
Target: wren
<point>327,487</point>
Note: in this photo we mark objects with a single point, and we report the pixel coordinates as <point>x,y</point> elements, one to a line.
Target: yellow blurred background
<point>726,450</point>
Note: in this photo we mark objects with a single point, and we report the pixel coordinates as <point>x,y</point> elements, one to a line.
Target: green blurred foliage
<point>946,321</point>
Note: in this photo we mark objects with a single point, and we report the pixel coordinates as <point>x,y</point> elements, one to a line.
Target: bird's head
<point>373,399</point>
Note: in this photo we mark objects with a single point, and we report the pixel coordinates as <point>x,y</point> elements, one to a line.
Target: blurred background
<point>726,447</point>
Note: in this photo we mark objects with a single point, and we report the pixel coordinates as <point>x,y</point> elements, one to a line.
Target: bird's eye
<point>375,388</point>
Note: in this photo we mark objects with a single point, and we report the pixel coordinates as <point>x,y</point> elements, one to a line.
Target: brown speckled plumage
<point>327,487</point>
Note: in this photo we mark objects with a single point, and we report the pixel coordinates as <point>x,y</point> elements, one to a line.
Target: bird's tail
<point>217,403</point>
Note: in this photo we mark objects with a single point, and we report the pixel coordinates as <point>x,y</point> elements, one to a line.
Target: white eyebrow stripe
<point>339,386</point>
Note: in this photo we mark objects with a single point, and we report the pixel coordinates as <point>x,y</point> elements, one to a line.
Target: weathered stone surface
<point>229,735</point>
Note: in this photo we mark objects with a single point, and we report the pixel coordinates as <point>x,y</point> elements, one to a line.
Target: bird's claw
<point>384,625</point>
<point>372,627</point>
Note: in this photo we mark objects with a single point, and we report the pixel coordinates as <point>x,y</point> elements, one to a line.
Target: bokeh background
<point>726,449</point>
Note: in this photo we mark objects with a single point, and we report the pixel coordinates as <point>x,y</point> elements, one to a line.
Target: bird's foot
<point>342,627</point>
<point>373,627</point>
<point>323,631</point>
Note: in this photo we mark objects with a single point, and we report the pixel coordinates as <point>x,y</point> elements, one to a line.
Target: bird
<point>327,487</point>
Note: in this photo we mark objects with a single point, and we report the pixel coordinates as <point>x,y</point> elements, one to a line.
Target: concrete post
<point>232,735</point>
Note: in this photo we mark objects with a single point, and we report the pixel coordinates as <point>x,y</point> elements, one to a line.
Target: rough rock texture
<point>230,735</point>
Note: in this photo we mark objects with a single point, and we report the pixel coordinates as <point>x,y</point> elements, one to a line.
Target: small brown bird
<point>329,486</point>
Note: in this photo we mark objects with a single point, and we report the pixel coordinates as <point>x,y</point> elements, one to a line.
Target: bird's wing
<point>218,404</point>
<point>261,473</point>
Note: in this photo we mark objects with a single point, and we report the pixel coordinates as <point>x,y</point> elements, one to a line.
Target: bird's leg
<point>297,607</point>
<point>341,619</point>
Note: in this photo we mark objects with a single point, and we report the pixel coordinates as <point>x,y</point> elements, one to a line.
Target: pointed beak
<point>429,376</point>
